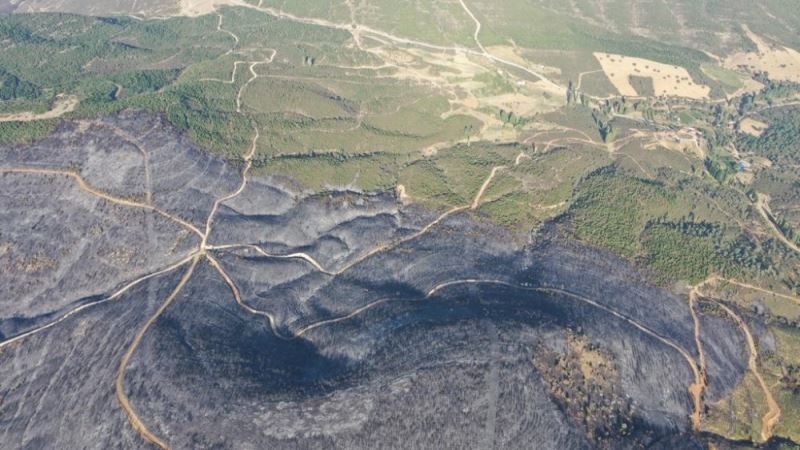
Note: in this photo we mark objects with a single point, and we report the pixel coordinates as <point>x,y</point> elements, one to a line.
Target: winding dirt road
<point>698,389</point>
<point>116,295</point>
<point>549,83</point>
<point>119,384</point>
<point>773,413</point>
<point>762,205</point>
<point>771,417</point>
<point>85,186</point>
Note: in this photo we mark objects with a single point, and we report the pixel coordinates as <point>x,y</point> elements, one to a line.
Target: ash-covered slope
<point>340,320</point>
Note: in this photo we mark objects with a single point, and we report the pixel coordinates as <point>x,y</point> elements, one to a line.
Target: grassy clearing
<point>783,372</point>
<point>25,132</point>
<point>514,210</point>
<point>739,416</point>
<point>374,172</point>
<point>731,81</point>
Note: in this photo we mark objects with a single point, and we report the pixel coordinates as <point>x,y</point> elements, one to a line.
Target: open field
<point>782,63</point>
<point>668,80</point>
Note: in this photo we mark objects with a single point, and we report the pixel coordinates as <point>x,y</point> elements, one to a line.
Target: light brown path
<point>700,386</point>
<point>248,158</point>
<point>83,185</point>
<point>477,200</point>
<point>299,255</point>
<point>237,295</point>
<point>62,105</point>
<point>122,396</point>
<point>112,297</point>
<point>759,289</point>
<point>773,413</point>
<point>762,205</point>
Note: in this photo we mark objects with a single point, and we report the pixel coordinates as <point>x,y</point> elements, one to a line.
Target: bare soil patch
<point>61,106</point>
<point>753,127</point>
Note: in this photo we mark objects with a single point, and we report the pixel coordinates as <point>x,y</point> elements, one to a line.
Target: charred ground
<point>339,320</point>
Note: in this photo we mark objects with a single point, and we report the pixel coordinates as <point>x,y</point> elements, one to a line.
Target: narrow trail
<point>476,35</point>
<point>253,76</point>
<point>85,186</point>
<point>230,33</point>
<point>304,256</point>
<point>701,385</point>
<point>395,244</point>
<point>356,29</point>
<point>773,414</point>
<point>148,184</point>
<point>237,295</point>
<point>110,298</point>
<point>580,77</point>
<point>248,158</point>
<point>520,157</point>
<point>771,417</point>
<point>759,289</point>
<point>233,74</point>
<point>122,396</point>
<point>477,200</point>
<point>549,83</point>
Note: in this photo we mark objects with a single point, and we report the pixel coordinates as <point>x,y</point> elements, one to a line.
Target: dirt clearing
<point>753,127</point>
<point>62,105</point>
<point>194,8</point>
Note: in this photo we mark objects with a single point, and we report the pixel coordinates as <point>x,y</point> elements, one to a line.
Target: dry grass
<point>782,63</point>
<point>753,127</point>
<point>668,80</point>
<point>194,8</point>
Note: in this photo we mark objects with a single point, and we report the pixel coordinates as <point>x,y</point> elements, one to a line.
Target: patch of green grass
<point>512,210</point>
<point>643,86</point>
<point>26,132</point>
<point>731,81</point>
<point>427,184</point>
<point>373,172</point>
<point>494,84</point>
